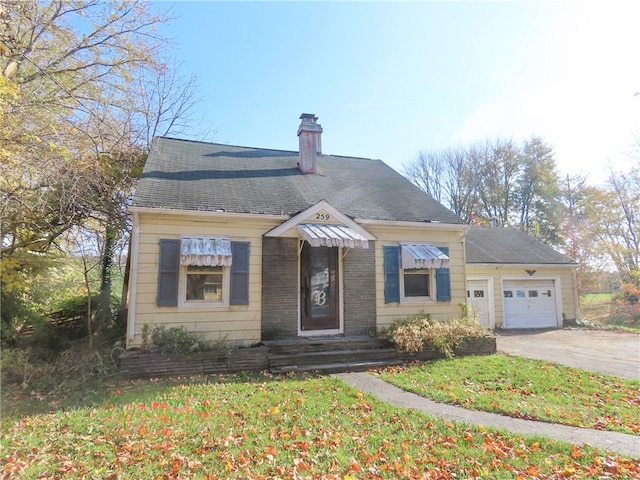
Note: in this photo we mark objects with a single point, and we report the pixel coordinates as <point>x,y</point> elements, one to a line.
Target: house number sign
<point>323,216</point>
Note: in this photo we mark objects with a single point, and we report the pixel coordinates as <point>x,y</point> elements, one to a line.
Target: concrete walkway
<point>615,442</point>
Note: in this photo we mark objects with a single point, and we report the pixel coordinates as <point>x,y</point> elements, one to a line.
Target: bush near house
<point>411,334</point>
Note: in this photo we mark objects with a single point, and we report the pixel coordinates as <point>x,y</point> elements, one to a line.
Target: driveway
<point>615,353</point>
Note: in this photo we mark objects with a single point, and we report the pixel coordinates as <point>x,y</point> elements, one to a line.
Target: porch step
<point>315,344</point>
<point>337,367</point>
<point>330,354</point>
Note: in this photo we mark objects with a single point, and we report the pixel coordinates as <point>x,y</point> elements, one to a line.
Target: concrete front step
<point>328,342</point>
<point>331,356</point>
<point>336,367</point>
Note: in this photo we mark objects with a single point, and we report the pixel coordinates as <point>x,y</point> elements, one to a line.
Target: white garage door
<point>529,304</point>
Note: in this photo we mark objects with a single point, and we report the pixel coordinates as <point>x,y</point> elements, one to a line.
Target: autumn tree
<point>538,191</point>
<point>85,85</point>
<point>617,223</point>
<point>578,198</point>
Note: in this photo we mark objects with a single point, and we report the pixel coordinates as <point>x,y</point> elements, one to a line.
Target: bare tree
<point>496,182</point>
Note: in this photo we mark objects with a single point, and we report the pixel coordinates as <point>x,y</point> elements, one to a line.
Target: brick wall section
<point>279,288</point>
<point>280,296</point>
<point>359,287</point>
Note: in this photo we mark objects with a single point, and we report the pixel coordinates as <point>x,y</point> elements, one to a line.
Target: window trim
<point>182,291</point>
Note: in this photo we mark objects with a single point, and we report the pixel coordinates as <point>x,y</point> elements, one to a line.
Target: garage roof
<point>510,246</point>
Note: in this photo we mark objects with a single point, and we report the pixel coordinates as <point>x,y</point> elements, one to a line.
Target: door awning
<point>422,255</point>
<point>205,251</point>
<point>321,235</point>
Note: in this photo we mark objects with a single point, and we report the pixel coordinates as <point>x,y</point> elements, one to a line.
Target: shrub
<point>411,334</point>
<point>176,340</point>
<point>15,366</point>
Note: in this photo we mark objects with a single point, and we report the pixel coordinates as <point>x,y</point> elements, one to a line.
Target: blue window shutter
<point>443,280</point>
<point>391,274</point>
<point>239,294</point>
<point>168,272</point>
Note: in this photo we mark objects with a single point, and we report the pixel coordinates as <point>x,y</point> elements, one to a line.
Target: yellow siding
<point>242,323</point>
<point>234,323</point>
<point>566,276</point>
<point>387,313</point>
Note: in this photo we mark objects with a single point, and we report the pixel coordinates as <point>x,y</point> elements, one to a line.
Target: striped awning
<point>320,235</point>
<point>422,255</point>
<point>205,251</point>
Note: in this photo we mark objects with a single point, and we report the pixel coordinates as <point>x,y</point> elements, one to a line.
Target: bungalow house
<point>250,244</point>
<point>516,281</point>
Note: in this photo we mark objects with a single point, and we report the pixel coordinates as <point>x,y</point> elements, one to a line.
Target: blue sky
<point>389,79</point>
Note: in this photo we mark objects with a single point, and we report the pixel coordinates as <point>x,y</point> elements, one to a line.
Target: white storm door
<point>478,299</point>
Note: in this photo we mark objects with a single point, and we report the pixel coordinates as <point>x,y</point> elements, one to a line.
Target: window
<point>204,284</point>
<point>417,283</point>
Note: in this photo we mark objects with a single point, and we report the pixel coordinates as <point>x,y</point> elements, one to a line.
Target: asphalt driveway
<point>615,353</point>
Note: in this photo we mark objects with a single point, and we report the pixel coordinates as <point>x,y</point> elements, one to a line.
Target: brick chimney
<point>309,133</point>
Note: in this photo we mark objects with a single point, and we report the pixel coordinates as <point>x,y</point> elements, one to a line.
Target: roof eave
<point>406,224</point>
<point>205,213</point>
<point>521,264</point>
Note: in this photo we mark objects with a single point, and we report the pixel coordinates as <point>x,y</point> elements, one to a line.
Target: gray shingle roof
<point>190,175</point>
<point>509,246</point>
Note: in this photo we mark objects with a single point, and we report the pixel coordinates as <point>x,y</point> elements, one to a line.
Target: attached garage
<point>515,281</point>
<point>529,304</point>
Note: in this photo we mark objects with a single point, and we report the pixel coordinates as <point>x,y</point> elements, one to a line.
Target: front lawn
<point>268,427</point>
<point>524,388</point>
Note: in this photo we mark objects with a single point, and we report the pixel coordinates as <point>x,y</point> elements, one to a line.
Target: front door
<point>319,288</point>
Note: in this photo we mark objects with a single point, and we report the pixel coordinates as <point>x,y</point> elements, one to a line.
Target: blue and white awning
<point>205,251</point>
<point>422,255</point>
<point>321,235</point>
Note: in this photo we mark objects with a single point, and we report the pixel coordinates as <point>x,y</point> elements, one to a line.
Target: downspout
<point>135,239</point>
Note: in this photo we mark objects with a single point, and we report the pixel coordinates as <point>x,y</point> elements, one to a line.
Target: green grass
<point>266,427</point>
<point>530,389</point>
<point>597,298</point>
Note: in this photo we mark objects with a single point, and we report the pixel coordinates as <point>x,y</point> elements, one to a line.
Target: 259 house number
<point>323,216</point>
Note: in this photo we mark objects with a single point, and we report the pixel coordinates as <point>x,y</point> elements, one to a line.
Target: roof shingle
<point>188,175</point>
<point>509,246</point>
